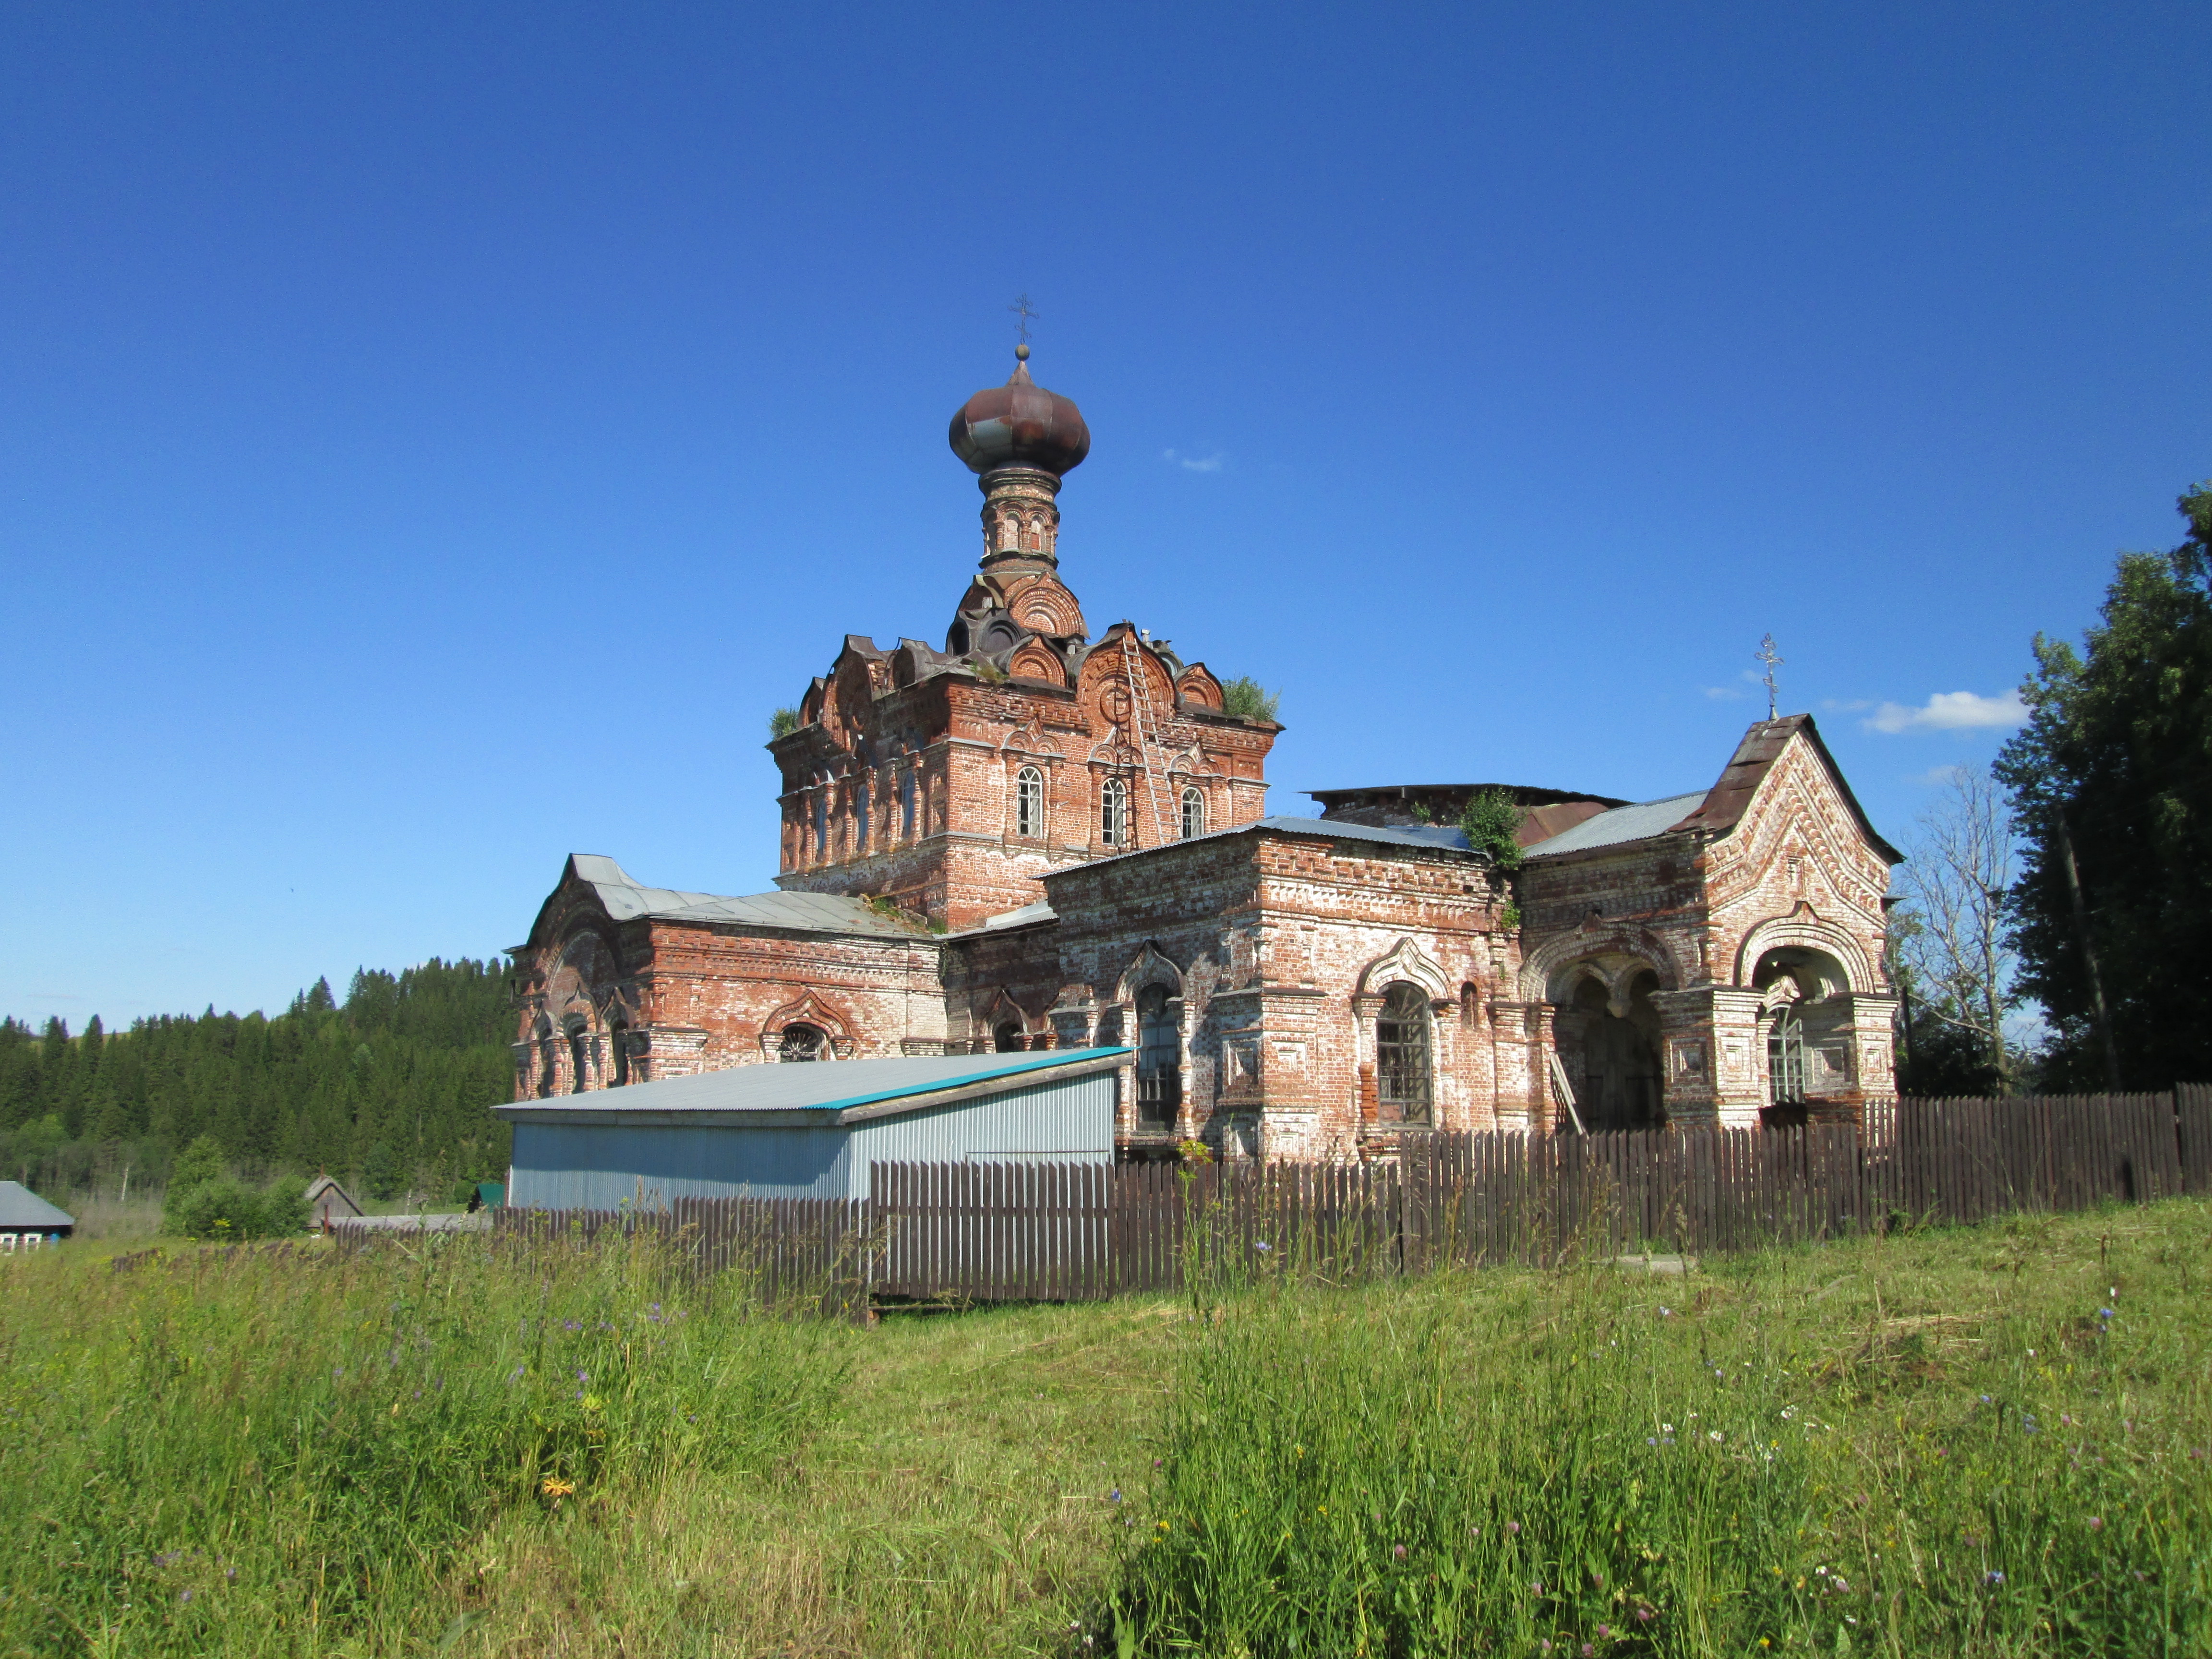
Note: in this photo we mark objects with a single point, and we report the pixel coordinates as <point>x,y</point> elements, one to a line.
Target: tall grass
<point>283,1451</point>
<point>1596,1463</point>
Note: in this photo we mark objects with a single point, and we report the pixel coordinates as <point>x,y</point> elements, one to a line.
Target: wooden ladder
<point>1147,730</point>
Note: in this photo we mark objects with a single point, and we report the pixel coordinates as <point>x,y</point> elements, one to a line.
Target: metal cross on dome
<point>1021,308</point>
<point>1767,655</point>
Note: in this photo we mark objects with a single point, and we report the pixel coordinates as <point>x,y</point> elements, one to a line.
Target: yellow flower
<point>553,1488</point>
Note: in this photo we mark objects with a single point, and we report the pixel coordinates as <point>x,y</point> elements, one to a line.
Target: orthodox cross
<point>1021,308</point>
<point>1767,655</point>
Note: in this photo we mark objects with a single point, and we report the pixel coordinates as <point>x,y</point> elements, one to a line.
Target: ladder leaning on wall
<point>1141,711</point>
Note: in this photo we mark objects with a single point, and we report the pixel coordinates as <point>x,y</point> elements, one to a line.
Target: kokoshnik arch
<point>1030,839</point>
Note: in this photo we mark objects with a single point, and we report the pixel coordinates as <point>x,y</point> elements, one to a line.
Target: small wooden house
<point>327,1202</point>
<point>28,1221</point>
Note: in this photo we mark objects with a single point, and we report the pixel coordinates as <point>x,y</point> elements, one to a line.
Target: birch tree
<point>1952,941</point>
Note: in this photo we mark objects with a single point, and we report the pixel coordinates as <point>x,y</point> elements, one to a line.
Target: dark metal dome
<point>1020,424</point>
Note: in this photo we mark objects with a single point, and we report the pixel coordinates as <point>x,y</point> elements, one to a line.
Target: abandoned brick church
<point>1034,838</point>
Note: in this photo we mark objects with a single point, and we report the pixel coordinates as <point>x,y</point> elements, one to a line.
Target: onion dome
<point>1020,424</point>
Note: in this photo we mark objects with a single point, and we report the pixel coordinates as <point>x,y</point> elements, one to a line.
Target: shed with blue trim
<point>809,1131</point>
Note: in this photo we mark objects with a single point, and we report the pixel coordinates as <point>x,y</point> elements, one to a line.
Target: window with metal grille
<point>1029,802</point>
<point>803,1042</point>
<point>1159,1058</point>
<point>1786,1058</point>
<point>1114,812</point>
<point>1402,1056</point>
<point>1193,814</point>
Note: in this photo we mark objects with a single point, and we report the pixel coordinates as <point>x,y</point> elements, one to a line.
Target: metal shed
<point>807,1131</point>
<point>25,1217</point>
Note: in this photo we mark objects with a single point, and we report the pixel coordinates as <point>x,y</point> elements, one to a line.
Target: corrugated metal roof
<point>23,1211</point>
<point>1623,823</point>
<point>822,1086</point>
<point>1435,837</point>
<point>626,900</point>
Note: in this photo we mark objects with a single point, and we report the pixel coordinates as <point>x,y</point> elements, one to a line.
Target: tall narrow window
<point>906,791</point>
<point>1159,1059</point>
<point>820,824</point>
<point>1786,1058</point>
<point>1193,814</point>
<point>1114,812</point>
<point>1402,1056</point>
<point>618,1043</point>
<point>861,815</point>
<point>578,1055</point>
<point>1029,803</point>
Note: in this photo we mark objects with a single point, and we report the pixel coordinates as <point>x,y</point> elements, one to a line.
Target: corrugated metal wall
<point>596,1166</point>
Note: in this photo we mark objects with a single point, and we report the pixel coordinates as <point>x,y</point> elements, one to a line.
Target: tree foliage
<point>1247,699</point>
<point>1953,963</point>
<point>1492,824</point>
<point>2115,765</point>
<point>411,1060</point>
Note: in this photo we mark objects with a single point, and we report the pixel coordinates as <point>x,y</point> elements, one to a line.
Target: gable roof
<point>825,1092</point>
<point>625,899</point>
<point>23,1211</point>
<point>1718,809</point>
<point>1727,801</point>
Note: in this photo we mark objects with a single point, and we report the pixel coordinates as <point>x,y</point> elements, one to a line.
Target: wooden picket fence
<point>1065,1232</point>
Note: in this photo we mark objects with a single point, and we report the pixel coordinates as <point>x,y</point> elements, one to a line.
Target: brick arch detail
<point>807,1009</point>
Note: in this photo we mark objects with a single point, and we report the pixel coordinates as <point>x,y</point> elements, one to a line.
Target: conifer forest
<point>390,1088</point>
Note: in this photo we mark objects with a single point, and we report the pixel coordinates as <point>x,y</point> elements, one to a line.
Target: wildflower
<point>557,1488</point>
<point>186,1596</point>
<point>1398,1550</point>
<point>2104,1313</point>
<point>1650,1439</point>
<point>1512,1526</point>
<point>1115,1496</point>
<point>2096,1523</point>
<point>1788,1412</point>
<point>1262,1244</point>
<point>1589,1651</point>
<point>1665,1312</point>
<point>1993,1576</point>
<point>1604,1631</point>
<point>1644,1615</point>
<point>1712,1434</point>
<point>230,1575</point>
<point>583,1377</point>
<point>1538,1589</point>
<point>1666,1428</point>
<point>1987,1401</point>
<point>2030,1353</point>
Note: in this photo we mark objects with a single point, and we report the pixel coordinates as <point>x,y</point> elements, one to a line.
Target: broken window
<point>1402,1056</point>
<point>1159,1059</point>
<point>1029,803</point>
<point>1193,814</point>
<point>1114,812</point>
<point>803,1042</point>
<point>1007,1039</point>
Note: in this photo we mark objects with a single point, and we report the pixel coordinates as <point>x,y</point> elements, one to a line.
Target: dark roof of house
<point>1429,837</point>
<point>825,1088</point>
<point>23,1211</point>
<point>626,899</point>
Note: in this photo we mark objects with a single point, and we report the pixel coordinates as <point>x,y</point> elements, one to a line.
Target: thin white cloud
<point>1952,711</point>
<point>1937,776</point>
<point>1194,463</point>
<point>1839,706</point>
<point>1726,693</point>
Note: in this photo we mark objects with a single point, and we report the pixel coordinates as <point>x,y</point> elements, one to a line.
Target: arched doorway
<point>1613,1053</point>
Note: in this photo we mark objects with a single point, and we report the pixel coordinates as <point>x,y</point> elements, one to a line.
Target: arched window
<point>618,1040</point>
<point>1007,1039</point>
<point>860,817</point>
<point>578,1053</point>
<point>906,791</point>
<point>1159,1058</point>
<point>1402,1056</point>
<point>1029,803</point>
<point>820,824</point>
<point>1114,812</point>
<point>1785,1057</point>
<point>545,1057</point>
<point>1193,814</point>
<point>803,1042</point>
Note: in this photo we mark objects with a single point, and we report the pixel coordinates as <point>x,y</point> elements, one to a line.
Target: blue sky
<point>434,439</point>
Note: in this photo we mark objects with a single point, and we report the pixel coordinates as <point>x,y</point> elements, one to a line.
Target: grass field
<point>1984,1441</point>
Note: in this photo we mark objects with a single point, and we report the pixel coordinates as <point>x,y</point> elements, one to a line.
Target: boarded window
<point>1402,1056</point>
<point>1029,803</point>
